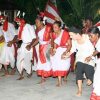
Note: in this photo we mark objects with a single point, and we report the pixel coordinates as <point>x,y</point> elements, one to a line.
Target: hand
<point>9,44</point>
<point>52,51</point>
<point>87,59</point>
<point>28,47</point>
<point>65,55</point>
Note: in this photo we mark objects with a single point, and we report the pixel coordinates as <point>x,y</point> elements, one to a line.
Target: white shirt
<point>28,33</point>
<point>83,50</point>
<point>10,33</point>
<point>1,33</point>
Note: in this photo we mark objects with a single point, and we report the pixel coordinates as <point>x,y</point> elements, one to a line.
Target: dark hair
<point>94,30</point>
<point>58,23</point>
<point>76,30</point>
<point>39,18</point>
<point>89,18</point>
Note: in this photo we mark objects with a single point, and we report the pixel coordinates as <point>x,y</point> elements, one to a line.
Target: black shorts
<point>82,68</point>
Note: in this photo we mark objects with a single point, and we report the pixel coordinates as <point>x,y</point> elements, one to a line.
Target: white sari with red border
<point>43,65</point>
<point>60,66</point>
<point>96,82</point>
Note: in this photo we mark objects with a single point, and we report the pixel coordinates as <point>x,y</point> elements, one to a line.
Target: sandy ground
<point>29,89</point>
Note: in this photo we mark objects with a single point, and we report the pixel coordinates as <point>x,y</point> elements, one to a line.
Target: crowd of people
<point>52,47</point>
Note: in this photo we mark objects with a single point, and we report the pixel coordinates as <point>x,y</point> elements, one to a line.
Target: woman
<point>83,48</point>
<point>61,44</point>
<point>43,37</point>
<point>95,39</point>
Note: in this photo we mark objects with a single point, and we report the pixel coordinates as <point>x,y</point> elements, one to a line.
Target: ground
<point>29,89</point>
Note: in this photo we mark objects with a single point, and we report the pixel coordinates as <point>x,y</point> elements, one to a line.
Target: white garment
<point>1,46</point>
<point>24,56</point>
<point>10,33</point>
<point>57,63</point>
<point>1,33</point>
<point>96,82</point>
<point>28,33</point>
<point>7,54</point>
<point>43,66</point>
<point>83,50</point>
<point>34,67</point>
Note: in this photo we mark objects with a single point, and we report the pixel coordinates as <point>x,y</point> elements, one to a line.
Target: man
<point>9,34</point>
<point>87,24</point>
<point>26,35</point>
<point>1,44</point>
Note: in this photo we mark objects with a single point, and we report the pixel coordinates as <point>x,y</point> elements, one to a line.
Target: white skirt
<point>24,58</point>
<point>60,66</point>
<point>96,82</point>
<point>44,69</point>
<point>7,55</point>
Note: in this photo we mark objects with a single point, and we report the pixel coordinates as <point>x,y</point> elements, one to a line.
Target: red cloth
<point>41,53</point>
<point>60,73</point>
<point>44,73</point>
<point>46,37</point>
<point>94,97</point>
<point>65,37</point>
<point>22,23</point>
<point>21,29</point>
<point>5,26</point>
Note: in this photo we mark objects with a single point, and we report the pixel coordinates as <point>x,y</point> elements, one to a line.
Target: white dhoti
<point>1,49</point>
<point>60,67</point>
<point>7,56</point>
<point>34,67</point>
<point>24,58</point>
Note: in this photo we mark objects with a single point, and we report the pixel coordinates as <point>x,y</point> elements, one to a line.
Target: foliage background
<point>71,11</point>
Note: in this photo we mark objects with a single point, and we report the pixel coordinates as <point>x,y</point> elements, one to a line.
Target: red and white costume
<point>43,66</point>
<point>8,53</point>
<point>26,33</point>
<point>60,67</point>
<point>96,82</point>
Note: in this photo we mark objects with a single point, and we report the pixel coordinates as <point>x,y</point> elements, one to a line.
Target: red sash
<point>5,26</point>
<point>41,53</point>
<point>21,29</point>
<point>65,37</point>
<point>46,37</point>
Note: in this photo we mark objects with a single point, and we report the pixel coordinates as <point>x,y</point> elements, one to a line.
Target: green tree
<point>76,10</point>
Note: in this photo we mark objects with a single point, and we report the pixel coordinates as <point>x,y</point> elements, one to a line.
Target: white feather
<point>0,13</point>
<point>18,13</point>
<point>23,14</point>
<point>4,13</point>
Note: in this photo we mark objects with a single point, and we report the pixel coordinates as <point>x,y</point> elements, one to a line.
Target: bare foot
<point>58,85</point>
<point>79,93</point>
<point>6,74</point>
<point>42,81</point>
<point>20,78</point>
<point>13,72</point>
<point>65,80</point>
